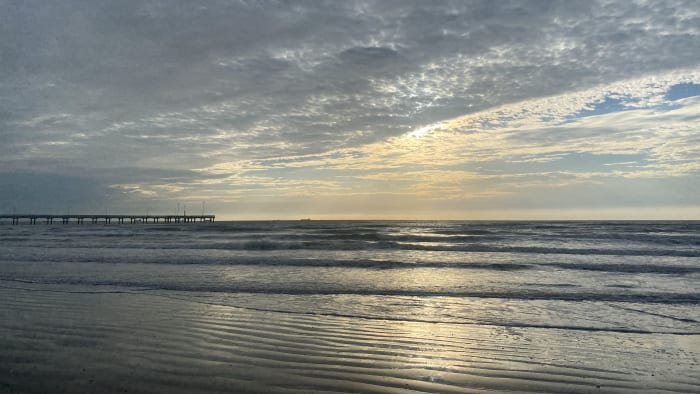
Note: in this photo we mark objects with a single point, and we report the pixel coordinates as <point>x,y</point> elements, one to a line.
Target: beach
<point>351,307</point>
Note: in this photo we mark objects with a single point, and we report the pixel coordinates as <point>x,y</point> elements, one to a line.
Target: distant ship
<point>305,220</point>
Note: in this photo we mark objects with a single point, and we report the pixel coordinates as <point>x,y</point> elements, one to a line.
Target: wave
<point>329,290</point>
<point>353,245</point>
<point>632,268</point>
<point>567,238</point>
<point>277,261</point>
<point>556,250</point>
<point>272,261</point>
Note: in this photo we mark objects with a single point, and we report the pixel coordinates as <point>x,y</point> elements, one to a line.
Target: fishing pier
<point>107,219</point>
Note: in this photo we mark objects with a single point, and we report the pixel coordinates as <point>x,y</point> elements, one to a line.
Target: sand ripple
<point>58,341</point>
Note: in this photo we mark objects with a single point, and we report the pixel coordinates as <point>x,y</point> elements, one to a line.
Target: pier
<point>107,219</point>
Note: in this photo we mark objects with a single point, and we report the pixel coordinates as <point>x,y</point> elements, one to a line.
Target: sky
<point>352,109</point>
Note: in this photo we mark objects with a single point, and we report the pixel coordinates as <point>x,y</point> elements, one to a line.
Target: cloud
<point>24,192</point>
<point>519,153</point>
<point>316,98</point>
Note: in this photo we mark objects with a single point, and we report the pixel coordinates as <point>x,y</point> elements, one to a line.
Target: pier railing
<point>80,219</point>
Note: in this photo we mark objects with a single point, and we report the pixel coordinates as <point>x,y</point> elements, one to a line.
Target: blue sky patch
<point>683,90</point>
<point>610,104</point>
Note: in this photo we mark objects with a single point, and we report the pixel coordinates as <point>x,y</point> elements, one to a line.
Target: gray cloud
<point>23,192</point>
<point>187,84</point>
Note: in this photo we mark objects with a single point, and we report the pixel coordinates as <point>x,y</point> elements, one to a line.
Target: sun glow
<point>423,131</point>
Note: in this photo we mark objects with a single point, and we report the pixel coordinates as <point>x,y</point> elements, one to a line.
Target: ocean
<point>351,307</point>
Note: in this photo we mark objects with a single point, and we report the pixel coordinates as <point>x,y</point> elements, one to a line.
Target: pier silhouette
<point>107,219</point>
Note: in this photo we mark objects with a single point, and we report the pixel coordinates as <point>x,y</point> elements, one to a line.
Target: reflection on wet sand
<point>137,341</point>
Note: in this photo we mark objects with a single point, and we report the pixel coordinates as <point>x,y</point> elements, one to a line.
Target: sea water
<point>354,306</point>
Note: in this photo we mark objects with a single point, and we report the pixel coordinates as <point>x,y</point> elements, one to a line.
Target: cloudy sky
<point>344,109</point>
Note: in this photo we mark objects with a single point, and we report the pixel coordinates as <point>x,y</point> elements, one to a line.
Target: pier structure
<point>107,219</point>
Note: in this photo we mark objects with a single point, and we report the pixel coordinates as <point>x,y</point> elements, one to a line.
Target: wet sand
<point>68,339</point>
